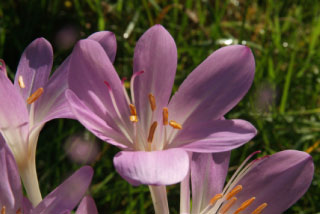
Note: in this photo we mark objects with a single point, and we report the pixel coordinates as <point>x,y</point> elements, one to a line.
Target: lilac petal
<point>108,41</point>
<point>26,206</point>
<point>156,55</point>
<point>279,181</point>
<point>14,115</point>
<point>152,168</point>
<point>34,67</point>
<point>214,87</point>
<point>87,206</point>
<point>208,174</point>
<point>68,194</point>
<point>89,68</point>
<point>215,136</point>
<point>10,185</point>
<point>94,123</point>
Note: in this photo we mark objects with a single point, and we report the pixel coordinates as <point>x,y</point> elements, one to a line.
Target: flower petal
<point>34,67</point>
<point>14,117</point>
<point>67,195</point>
<point>87,206</point>
<point>214,87</point>
<point>156,55</point>
<point>89,68</point>
<point>208,174</point>
<point>10,185</point>
<point>94,123</point>
<point>214,136</point>
<point>108,41</point>
<point>152,168</point>
<point>279,180</point>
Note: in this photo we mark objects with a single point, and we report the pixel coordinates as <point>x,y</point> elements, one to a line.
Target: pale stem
<point>159,199</point>
<point>185,195</point>
<point>30,182</point>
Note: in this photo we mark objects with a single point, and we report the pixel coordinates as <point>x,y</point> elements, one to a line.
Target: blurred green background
<point>283,102</point>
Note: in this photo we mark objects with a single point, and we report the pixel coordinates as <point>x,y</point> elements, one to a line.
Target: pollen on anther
<point>134,118</point>
<point>152,131</point>
<point>175,125</point>
<point>244,205</point>
<point>152,101</point>
<point>21,82</point>
<point>3,210</point>
<point>165,116</point>
<point>133,110</point>
<point>19,211</point>
<point>215,198</point>
<point>260,208</point>
<point>35,95</point>
<point>234,191</point>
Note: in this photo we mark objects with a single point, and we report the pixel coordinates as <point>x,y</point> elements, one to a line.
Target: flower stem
<point>159,199</point>
<point>29,178</point>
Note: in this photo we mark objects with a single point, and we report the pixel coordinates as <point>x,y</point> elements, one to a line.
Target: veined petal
<point>279,180</point>
<point>156,55</point>
<point>34,67</point>
<point>87,206</point>
<point>10,185</point>
<point>108,41</point>
<point>214,136</point>
<point>67,195</point>
<point>208,174</point>
<point>94,123</point>
<point>89,68</point>
<point>14,117</point>
<point>152,168</point>
<point>214,87</point>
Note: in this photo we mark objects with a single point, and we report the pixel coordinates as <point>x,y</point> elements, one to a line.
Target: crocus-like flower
<point>64,197</point>
<point>33,100</point>
<point>154,133</point>
<point>266,185</point>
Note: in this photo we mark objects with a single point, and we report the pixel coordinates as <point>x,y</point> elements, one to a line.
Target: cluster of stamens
<point>135,119</point>
<point>223,202</point>
<point>3,210</point>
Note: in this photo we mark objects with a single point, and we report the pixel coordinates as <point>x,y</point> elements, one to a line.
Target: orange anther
<point>152,101</point>
<point>165,116</point>
<point>35,95</point>
<point>175,125</point>
<point>244,205</point>
<point>215,198</point>
<point>260,208</point>
<point>228,205</point>
<point>152,131</point>
<point>234,191</point>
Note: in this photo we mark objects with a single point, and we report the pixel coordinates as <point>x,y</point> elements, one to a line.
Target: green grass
<point>283,35</point>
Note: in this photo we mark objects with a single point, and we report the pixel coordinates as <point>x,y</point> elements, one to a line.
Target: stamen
<point>21,82</point>
<point>175,125</point>
<point>260,208</point>
<point>228,205</point>
<point>165,116</point>
<point>134,118</point>
<point>215,198</point>
<point>244,205</point>
<point>132,84</point>
<point>133,110</point>
<point>3,210</point>
<point>19,211</point>
<point>234,191</point>
<point>152,131</point>
<point>152,101</point>
<point>35,95</point>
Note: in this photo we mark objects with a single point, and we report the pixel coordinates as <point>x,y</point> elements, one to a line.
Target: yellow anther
<point>165,116</point>
<point>215,198</point>
<point>234,191</point>
<point>260,208</point>
<point>133,118</point>
<point>3,210</point>
<point>152,102</point>
<point>244,205</point>
<point>35,95</point>
<point>228,205</point>
<point>21,82</point>
<point>19,211</point>
<point>152,131</point>
<point>175,125</point>
<point>313,147</point>
<point>133,110</point>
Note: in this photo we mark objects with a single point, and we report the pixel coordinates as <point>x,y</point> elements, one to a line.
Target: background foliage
<point>283,102</point>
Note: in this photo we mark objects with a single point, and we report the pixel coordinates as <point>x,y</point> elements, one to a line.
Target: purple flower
<point>65,196</point>
<point>191,121</point>
<point>33,100</point>
<point>266,185</point>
